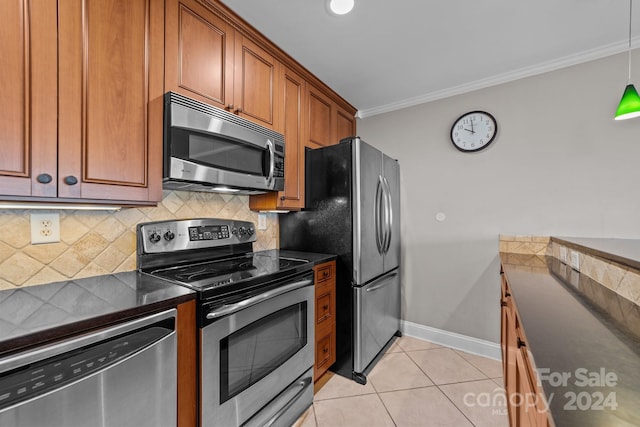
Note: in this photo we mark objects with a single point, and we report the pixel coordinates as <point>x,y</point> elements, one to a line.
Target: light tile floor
<point>416,383</point>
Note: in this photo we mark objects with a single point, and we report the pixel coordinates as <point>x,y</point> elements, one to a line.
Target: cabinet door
<point>199,53</point>
<point>110,99</point>
<point>294,92</point>
<point>28,112</point>
<point>345,124</point>
<point>256,84</point>
<point>320,123</point>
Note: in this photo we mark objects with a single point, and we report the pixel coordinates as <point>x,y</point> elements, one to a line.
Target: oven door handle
<point>232,308</point>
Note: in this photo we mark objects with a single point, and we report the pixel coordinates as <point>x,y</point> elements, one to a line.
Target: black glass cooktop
<point>207,275</point>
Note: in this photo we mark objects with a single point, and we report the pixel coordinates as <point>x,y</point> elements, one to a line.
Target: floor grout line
<point>406,352</point>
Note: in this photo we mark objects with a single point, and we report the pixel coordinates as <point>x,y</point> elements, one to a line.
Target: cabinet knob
<point>44,178</point>
<point>325,350</point>
<point>70,180</point>
<point>325,307</point>
<point>503,303</point>
<point>283,198</point>
<point>521,343</point>
<point>229,107</point>
<point>507,294</point>
<point>238,110</point>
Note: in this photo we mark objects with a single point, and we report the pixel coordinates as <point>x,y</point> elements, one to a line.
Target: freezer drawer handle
<point>384,283</point>
<point>232,308</point>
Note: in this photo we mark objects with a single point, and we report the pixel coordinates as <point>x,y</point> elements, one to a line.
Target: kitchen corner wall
<point>560,166</point>
<point>101,242</point>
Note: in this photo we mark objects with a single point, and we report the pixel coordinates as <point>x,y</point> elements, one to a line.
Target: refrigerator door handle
<point>379,206</point>
<point>388,215</point>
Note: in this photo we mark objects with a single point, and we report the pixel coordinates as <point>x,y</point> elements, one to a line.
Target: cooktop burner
<point>207,275</point>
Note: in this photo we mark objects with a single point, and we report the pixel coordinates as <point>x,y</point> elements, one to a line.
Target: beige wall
<point>101,242</point>
<point>560,166</point>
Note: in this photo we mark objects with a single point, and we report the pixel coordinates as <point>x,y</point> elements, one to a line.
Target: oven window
<point>226,154</point>
<point>251,353</point>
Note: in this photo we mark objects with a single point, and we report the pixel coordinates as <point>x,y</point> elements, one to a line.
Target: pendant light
<point>629,106</point>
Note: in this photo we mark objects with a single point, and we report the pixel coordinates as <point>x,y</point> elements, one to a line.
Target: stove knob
<point>169,235</point>
<point>155,237</point>
<point>242,231</point>
<point>250,231</point>
<point>234,231</point>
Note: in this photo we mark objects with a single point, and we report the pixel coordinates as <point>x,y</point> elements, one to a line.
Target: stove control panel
<point>208,232</point>
<point>176,235</point>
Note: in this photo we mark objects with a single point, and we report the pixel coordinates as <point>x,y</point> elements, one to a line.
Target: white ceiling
<point>390,54</point>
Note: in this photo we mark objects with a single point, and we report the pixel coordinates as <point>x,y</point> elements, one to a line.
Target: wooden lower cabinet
<point>525,398</point>
<point>187,367</point>
<point>325,317</point>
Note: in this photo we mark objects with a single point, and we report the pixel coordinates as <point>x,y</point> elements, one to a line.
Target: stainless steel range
<point>255,318</point>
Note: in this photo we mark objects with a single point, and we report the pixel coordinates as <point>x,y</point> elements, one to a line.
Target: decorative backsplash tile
<point>535,245</point>
<point>623,280</point>
<point>102,242</point>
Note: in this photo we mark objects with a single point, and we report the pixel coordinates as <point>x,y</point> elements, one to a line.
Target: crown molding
<point>567,61</point>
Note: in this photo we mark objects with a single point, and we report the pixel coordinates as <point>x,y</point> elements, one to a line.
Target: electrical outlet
<point>45,228</point>
<point>262,221</point>
<point>575,260</point>
<point>563,255</point>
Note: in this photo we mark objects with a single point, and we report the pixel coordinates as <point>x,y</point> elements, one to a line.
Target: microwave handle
<point>272,161</point>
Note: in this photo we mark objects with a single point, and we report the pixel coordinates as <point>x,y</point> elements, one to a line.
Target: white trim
<point>566,61</point>
<point>451,339</point>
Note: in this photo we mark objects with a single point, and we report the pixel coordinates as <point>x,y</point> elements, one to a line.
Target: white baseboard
<point>451,339</point>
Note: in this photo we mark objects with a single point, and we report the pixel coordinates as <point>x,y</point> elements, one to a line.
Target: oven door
<point>251,355</point>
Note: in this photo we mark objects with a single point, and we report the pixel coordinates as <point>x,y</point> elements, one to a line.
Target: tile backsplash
<point>529,245</point>
<point>102,242</point>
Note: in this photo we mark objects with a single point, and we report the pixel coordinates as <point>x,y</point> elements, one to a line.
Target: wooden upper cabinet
<point>199,53</point>
<point>292,198</point>
<point>208,60</point>
<point>256,84</point>
<point>328,122</point>
<point>320,119</point>
<point>345,124</point>
<point>84,114</point>
<point>28,113</point>
<point>110,99</point>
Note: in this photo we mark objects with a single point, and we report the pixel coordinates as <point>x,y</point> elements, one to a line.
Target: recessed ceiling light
<point>340,7</point>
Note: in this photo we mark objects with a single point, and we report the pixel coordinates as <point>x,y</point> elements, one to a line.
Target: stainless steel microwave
<point>209,149</point>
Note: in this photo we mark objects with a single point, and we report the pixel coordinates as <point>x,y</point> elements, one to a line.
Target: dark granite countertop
<point>36,314</point>
<point>569,333</point>
<point>315,258</point>
<point>622,251</point>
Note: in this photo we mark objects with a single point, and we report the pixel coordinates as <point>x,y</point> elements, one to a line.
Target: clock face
<point>474,131</point>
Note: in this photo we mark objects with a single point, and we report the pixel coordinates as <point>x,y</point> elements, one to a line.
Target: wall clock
<point>474,131</point>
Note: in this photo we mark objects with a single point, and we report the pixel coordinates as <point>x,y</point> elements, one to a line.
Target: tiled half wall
<point>102,242</point>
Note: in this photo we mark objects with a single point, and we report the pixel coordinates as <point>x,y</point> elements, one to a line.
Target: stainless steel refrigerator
<point>353,211</point>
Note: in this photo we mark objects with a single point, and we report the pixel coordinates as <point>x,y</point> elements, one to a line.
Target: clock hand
<point>469,130</point>
<point>471,120</point>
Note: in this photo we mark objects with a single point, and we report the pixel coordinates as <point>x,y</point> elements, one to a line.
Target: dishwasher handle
<point>232,308</point>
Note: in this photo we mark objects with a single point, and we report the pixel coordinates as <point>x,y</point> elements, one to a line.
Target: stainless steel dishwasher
<point>124,375</point>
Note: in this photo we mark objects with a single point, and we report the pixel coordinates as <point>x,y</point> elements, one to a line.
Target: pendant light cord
<point>630,10</point>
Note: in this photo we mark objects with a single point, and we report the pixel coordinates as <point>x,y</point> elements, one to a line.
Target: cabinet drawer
<point>325,272</point>
<point>325,303</point>
<point>325,348</point>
